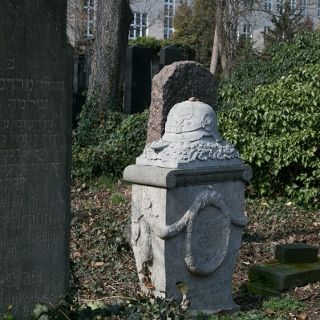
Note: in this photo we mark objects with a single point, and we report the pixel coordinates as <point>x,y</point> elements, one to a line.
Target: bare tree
<point>225,40</point>
<point>228,14</point>
<point>112,26</point>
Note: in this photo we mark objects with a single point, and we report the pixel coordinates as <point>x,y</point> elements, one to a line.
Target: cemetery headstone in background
<point>297,265</point>
<point>138,79</point>
<point>171,54</point>
<point>176,83</point>
<point>35,144</point>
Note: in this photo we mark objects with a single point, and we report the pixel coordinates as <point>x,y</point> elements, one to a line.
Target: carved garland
<point>207,198</point>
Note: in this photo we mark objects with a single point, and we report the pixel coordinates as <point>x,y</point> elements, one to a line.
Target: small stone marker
<point>296,253</point>
<point>137,79</point>
<point>35,149</point>
<point>176,83</point>
<point>188,211</point>
<point>298,265</point>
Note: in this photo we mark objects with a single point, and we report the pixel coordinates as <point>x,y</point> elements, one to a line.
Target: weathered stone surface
<point>191,139</point>
<point>176,83</point>
<point>187,223</point>
<point>35,143</point>
<point>296,253</point>
<point>279,277</point>
<point>169,178</point>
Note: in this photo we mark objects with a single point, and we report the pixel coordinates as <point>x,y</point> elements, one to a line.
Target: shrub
<point>115,146</point>
<point>95,125</point>
<point>276,130</point>
<point>149,42</point>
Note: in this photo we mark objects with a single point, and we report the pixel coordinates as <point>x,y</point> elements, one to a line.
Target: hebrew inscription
<point>35,113</point>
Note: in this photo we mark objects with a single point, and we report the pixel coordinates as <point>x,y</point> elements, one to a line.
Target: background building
<point>154,18</point>
<point>256,24</point>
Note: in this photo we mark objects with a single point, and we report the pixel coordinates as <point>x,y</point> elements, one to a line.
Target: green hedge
<point>276,130</point>
<point>115,146</point>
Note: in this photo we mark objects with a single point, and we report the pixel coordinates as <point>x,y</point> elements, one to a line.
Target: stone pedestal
<point>188,211</point>
<point>187,228</point>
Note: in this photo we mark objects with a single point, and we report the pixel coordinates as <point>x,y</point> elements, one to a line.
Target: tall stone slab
<point>35,145</point>
<point>137,94</point>
<point>176,83</point>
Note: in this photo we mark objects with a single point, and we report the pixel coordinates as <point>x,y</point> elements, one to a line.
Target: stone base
<point>227,309</point>
<point>269,278</point>
<point>260,290</point>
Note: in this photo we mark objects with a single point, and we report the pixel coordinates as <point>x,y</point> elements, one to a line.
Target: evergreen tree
<point>285,25</point>
<point>194,26</point>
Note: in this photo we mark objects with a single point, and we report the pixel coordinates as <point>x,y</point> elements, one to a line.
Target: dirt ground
<point>103,265</point>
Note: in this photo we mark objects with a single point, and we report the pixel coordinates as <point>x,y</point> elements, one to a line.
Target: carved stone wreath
<point>185,152</point>
<point>207,198</point>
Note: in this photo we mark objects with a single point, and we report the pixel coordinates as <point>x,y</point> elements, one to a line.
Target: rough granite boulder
<point>176,83</point>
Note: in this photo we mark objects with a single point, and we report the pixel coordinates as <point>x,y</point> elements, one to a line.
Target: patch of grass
<point>118,198</point>
<point>104,182</point>
<point>283,304</point>
<point>249,315</point>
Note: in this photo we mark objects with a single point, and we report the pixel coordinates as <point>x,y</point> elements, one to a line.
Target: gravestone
<point>137,79</point>
<point>188,211</point>
<point>35,149</point>
<point>176,83</point>
<point>297,265</point>
<point>170,54</point>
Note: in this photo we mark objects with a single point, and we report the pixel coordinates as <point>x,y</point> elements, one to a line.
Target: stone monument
<point>188,211</point>
<point>35,143</point>
<point>170,54</point>
<point>137,94</point>
<point>176,83</point>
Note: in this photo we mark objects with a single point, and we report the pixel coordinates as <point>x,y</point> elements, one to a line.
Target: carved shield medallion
<point>208,240</point>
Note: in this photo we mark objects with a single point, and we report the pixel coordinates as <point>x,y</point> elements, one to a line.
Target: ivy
<point>276,129</point>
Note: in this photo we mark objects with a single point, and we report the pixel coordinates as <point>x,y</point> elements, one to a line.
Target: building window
<point>89,21</point>
<point>293,4</point>
<point>303,7</point>
<point>138,27</point>
<point>266,31</point>
<point>268,5</point>
<point>169,10</point>
<point>279,6</point>
<point>187,2</point>
<point>247,31</point>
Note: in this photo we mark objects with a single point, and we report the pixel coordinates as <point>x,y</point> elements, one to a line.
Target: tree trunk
<point>218,41</point>
<point>222,46</point>
<point>113,20</point>
<point>215,50</point>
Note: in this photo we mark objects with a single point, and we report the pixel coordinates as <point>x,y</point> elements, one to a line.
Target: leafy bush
<point>277,131</point>
<point>115,145</point>
<point>261,69</point>
<point>150,42</point>
<point>95,125</point>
